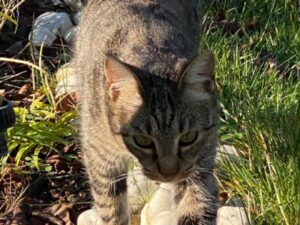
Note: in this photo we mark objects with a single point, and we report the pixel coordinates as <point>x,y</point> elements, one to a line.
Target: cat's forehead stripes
<point>162,107</point>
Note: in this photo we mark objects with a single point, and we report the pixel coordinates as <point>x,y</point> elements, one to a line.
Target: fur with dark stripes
<point>140,74</point>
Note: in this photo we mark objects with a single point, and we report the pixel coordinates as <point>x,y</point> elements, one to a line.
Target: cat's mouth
<point>179,177</point>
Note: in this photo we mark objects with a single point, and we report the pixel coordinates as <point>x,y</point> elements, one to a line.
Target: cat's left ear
<point>199,76</point>
<point>123,85</point>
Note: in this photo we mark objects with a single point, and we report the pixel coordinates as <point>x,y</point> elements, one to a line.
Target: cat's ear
<point>123,85</point>
<point>198,77</point>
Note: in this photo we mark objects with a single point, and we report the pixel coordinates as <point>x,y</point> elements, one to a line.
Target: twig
<point>33,66</point>
<point>6,78</point>
<point>17,5</point>
<point>9,10</point>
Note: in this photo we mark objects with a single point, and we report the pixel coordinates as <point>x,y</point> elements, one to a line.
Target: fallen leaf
<point>26,89</point>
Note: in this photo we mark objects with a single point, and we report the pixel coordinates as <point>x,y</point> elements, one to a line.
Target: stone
<point>140,190</point>
<point>89,217</point>
<point>75,5</point>
<point>77,17</point>
<point>229,215</point>
<point>67,80</point>
<point>161,209</point>
<point>227,152</point>
<point>48,26</point>
<point>70,34</point>
<point>57,2</point>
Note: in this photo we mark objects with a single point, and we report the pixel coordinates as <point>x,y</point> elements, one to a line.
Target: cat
<point>147,93</point>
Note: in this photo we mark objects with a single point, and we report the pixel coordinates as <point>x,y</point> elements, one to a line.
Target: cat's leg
<point>109,188</point>
<point>196,200</point>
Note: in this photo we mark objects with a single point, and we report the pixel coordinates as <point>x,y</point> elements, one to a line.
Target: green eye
<point>188,138</point>
<point>143,141</point>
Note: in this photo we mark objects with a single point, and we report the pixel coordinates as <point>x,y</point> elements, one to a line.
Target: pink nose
<point>168,167</point>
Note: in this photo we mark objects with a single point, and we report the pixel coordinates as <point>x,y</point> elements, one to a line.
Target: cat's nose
<point>168,167</point>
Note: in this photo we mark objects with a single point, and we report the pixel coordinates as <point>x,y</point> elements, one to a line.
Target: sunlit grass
<point>260,112</point>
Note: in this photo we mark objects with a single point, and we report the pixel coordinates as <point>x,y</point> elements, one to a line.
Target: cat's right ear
<point>198,78</point>
<point>123,85</point>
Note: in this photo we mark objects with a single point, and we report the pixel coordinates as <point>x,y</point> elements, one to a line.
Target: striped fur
<point>140,74</point>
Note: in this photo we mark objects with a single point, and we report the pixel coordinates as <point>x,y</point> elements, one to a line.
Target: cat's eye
<point>188,138</point>
<point>143,141</point>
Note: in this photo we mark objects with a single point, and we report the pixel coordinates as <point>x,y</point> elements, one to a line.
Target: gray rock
<point>57,2</point>
<point>48,26</point>
<point>15,48</point>
<point>77,17</point>
<point>69,36</point>
<point>75,5</point>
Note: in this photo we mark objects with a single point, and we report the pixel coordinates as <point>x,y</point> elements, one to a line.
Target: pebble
<point>140,190</point>
<point>160,210</point>
<point>69,36</point>
<point>226,151</point>
<point>89,217</point>
<point>231,215</point>
<point>77,17</point>
<point>75,5</point>
<point>67,80</point>
<point>48,26</point>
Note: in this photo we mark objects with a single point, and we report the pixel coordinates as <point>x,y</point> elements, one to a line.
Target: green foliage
<point>260,107</point>
<point>9,18</point>
<point>260,112</point>
<point>39,129</point>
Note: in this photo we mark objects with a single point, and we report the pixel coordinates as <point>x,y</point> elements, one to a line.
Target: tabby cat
<point>147,93</point>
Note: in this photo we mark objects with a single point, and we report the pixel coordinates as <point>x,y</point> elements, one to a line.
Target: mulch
<point>28,196</point>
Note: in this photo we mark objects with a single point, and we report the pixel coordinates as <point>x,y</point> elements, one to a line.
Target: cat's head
<point>169,126</point>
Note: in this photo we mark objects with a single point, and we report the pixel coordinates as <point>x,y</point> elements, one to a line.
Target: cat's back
<point>138,31</point>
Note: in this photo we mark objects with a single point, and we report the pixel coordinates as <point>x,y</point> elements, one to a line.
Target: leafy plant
<point>37,130</point>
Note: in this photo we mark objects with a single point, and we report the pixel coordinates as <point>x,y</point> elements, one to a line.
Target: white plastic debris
<point>48,26</point>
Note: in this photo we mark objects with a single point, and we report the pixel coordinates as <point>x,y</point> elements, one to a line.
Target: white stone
<point>67,80</point>
<point>227,152</point>
<point>230,215</point>
<point>48,26</point>
<point>89,217</point>
<point>140,190</point>
<point>160,210</point>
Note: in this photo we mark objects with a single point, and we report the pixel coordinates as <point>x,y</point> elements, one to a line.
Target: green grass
<point>260,107</point>
<point>260,112</point>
